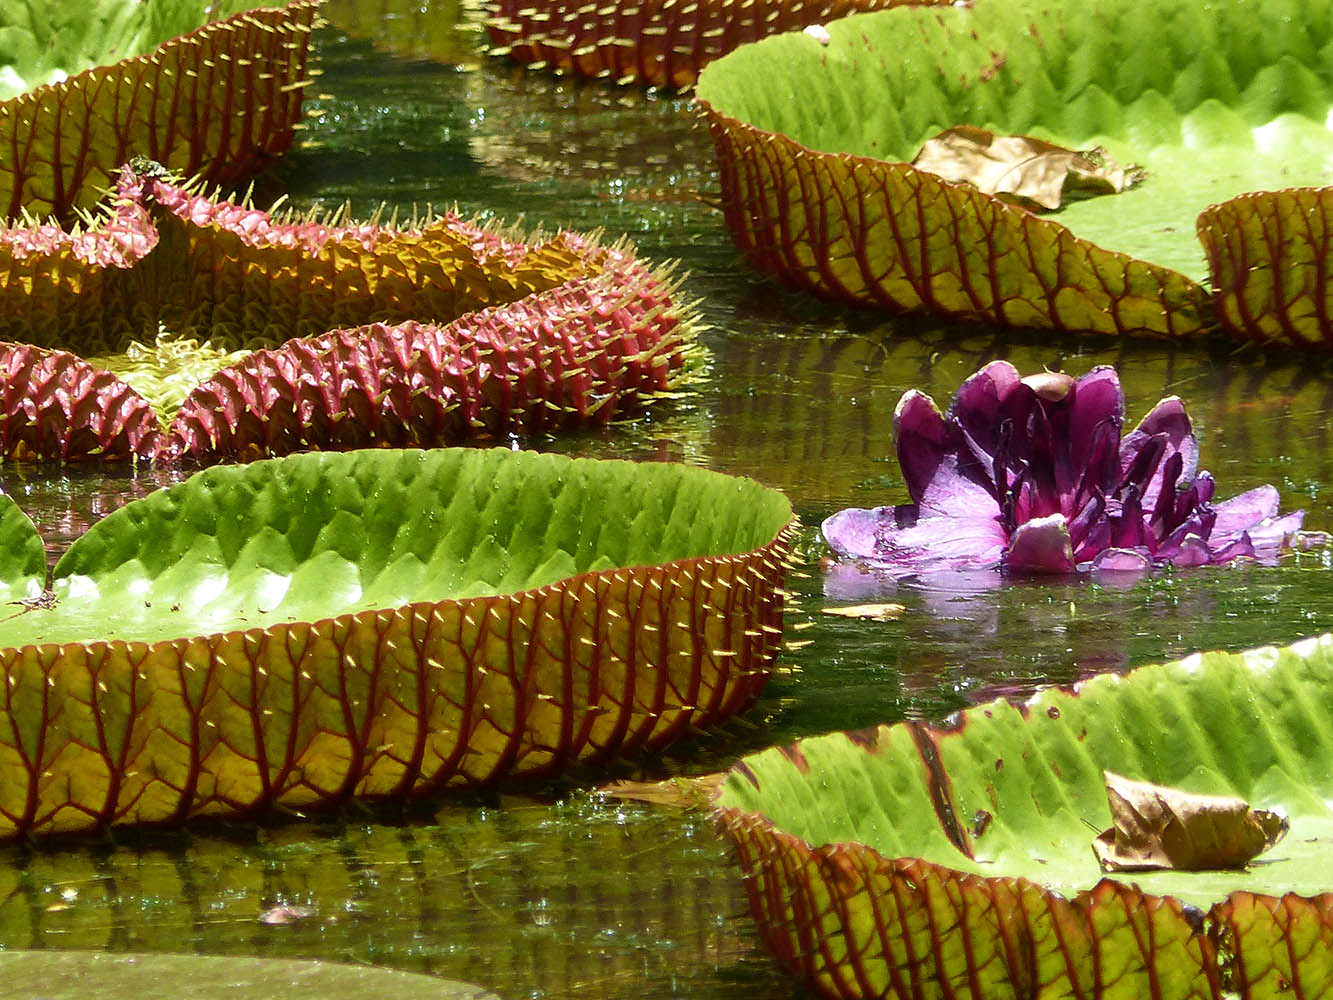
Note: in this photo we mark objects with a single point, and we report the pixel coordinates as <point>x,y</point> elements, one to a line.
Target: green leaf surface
<point>382,625</point>
<point>1258,725</point>
<point>77,975</point>
<point>318,535</point>
<point>22,557</point>
<point>43,42</point>
<point>1214,99</point>
<point>921,861</point>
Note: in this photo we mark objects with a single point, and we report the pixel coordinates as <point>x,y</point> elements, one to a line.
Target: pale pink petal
<point>1040,546</point>
<point>1121,561</point>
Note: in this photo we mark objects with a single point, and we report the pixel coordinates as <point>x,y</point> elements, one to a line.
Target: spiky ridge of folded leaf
<point>916,861</point>
<point>809,135</point>
<point>56,405</point>
<point>382,624</point>
<point>218,102</point>
<point>169,257</point>
<point>580,353</point>
<point>653,42</point>
<point>588,330</point>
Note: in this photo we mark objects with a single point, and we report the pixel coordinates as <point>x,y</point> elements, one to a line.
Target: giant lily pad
<point>379,624</point>
<point>657,42</point>
<point>178,289</point>
<point>210,89</point>
<point>1213,100</point>
<point>924,861</point>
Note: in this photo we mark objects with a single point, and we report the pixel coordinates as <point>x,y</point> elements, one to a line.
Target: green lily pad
<point>1210,103</point>
<point>382,624</point>
<point>209,89</point>
<point>917,853</point>
<point>47,43</point>
<point>22,557</point>
<point>659,42</point>
<point>77,975</point>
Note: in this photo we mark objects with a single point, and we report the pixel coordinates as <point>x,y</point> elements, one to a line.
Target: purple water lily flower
<point>1031,475</point>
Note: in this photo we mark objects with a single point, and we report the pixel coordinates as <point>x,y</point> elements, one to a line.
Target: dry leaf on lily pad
<point>1159,827</point>
<point>1023,169</point>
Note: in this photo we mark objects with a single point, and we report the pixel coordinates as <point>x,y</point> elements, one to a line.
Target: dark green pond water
<point>562,894</point>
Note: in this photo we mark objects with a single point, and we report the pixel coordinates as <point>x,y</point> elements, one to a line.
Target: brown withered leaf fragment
<point>677,793</point>
<point>1019,168</point>
<point>1159,827</point>
<point>875,612</point>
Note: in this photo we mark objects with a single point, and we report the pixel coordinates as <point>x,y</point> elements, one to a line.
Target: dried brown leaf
<point>678,793</point>
<point>1160,827</point>
<point>1021,168</point>
<point>283,914</point>
<point>877,612</point>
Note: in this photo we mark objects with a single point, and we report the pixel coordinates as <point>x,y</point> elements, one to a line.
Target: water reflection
<point>578,898</point>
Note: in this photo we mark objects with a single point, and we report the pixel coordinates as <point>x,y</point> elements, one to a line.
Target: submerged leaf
<point>1021,168</point>
<point>56,974</point>
<point>1158,827</point>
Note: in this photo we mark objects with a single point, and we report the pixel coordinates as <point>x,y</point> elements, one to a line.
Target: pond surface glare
<point>561,894</point>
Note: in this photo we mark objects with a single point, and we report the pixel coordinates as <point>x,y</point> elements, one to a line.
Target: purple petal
<point>1163,515</point>
<point>958,542</point>
<point>1167,417</point>
<point>855,533</point>
<point>885,538</point>
<point>1241,548</point>
<point>1127,529</point>
<point>1101,474</point>
<point>1143,469</point>
<point>1194,496</point>
<point>1096,409</point>
<point>978,405</point>
<point>941,478</point>
<point>923,438</point>
<point>1243,512</point>
<point>1194,551</point>
<point>1199,523</point>
<point>1271,537</point>
<point>1092,512</point>
<point>1040,546</point>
